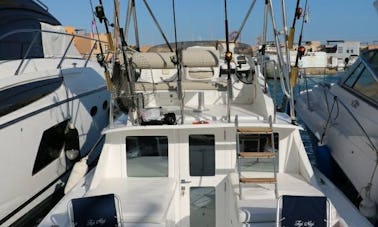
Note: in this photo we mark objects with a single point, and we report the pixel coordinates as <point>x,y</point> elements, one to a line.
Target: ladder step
<point>257,154</point>
<point>256,130</point>
<point>268,180</point>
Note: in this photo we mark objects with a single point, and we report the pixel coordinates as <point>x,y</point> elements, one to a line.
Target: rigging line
<point>128,18</point>
<point>158,25</point>
<point>245,20</point>
<point>359,125</point>
<point>136,31</point>
<point>177,63</point>
<point>328,120</point>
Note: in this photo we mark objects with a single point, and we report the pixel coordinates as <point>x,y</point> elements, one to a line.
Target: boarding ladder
<point>256,155</point>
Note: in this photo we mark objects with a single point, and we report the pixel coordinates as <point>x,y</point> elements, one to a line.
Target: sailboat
<point>199,144</point>
<point>53,106</point>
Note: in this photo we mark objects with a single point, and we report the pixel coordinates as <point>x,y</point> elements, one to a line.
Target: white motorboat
<point>200,145</point>
<point>53,107</point>
<point>342,115</point>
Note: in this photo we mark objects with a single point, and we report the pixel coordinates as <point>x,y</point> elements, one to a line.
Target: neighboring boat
<point>199,145</point>
<point>343,116</point>
<point>53,106</point>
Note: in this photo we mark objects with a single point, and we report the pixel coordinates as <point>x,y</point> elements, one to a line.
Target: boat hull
<point>25,132</point>
<point>348,144</point>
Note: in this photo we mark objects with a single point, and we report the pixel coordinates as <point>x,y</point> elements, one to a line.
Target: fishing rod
<point>101,57</point>
<point>124,46</point>
<point>100,13</point>
<point>228,58</point>
<point>297,14</point>
<point>300,53</point>
<point>178,65</point>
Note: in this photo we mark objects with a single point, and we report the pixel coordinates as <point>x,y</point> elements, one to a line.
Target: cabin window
<point>353,77</point>
<point>147,156</point>
<point>50,147</point>
<point>202,155</point>
<point>364,83</point>
<point>367,85</point>
<point>14,98</point>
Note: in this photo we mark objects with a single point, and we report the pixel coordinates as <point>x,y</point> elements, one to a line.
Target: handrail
<point>40,31</point>
<point>65,52</point>
<point>42,4</point>
<point>356,120</point>
<point>26,54</point>
<point>90,53</point>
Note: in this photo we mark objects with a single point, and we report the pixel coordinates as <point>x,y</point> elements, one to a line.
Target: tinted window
<point>202,155</point>
<point>147,156</point>
<point>363,82</point>
<point>367,85</point>
<point>15,46</point>
<point>353,77</point>
<point>372,58</point>
<point>17,97</point>
<point>22,14</point>
<point>51,146</point>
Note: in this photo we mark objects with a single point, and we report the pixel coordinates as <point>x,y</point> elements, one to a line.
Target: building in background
<point>84,46</point>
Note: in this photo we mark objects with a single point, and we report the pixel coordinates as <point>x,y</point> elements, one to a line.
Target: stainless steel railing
<point>38,32</point>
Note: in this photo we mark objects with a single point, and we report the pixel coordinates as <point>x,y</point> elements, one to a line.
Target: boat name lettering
<point>301,223</point>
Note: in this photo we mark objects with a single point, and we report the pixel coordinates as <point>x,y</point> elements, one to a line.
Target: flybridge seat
<point>192,57</point>
<point>199,64</point>
<point>153,60</point>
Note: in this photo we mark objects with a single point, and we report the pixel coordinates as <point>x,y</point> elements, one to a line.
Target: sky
<point>351,20</point>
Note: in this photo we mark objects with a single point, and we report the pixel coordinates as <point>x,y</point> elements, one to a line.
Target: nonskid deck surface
<point>259,203</point>
<point>143,200</point>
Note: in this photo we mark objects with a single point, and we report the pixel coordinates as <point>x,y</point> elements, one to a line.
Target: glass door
<point>199,182</point>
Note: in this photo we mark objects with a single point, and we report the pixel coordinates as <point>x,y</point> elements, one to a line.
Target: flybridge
<point>183,61</point>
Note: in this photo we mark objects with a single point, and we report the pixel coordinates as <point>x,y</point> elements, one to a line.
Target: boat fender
<point>71,143</point>
<point>368,208</point>
<point>78,171</point>
<point>323,159</point>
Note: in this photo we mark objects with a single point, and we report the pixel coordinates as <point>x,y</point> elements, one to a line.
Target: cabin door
<point>201,187</point>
